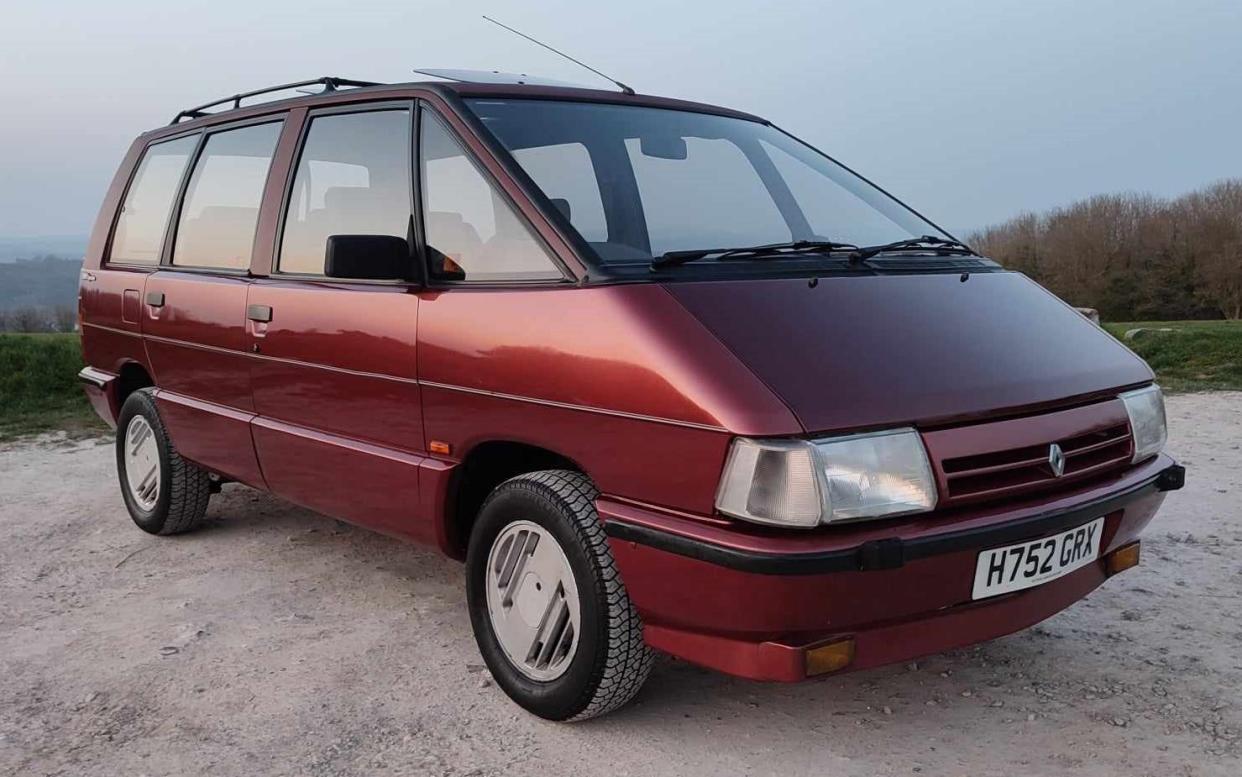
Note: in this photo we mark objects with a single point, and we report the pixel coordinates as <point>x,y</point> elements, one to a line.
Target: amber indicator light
<point>435,446</point>
<point>829,658</point>
<point>1122,559</point>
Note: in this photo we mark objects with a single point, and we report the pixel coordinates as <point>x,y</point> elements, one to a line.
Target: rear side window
<point>353,178</point>
<point>140,226</point>
<point>221,209</point>
<point>468,222</point>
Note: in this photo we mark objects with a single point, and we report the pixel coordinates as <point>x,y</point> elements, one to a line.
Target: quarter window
<point>472,232</point>
<point>140,227</point>
<point>221,208</point>
<point>353,178</point>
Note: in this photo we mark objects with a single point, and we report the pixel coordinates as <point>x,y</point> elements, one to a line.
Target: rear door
<point>111,296</point>
<point>194,307</point>
<point>334,374</point>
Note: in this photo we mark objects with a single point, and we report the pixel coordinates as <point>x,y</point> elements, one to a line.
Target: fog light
<point>829,658</point>
<point>1122,559</point>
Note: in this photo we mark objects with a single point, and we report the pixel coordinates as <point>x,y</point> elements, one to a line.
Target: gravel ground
<point>275,641</point>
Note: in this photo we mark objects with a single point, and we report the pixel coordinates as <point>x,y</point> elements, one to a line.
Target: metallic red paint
<point>643,386</point>
<point>727,619</point>
<point>872,351</point>
<point>335,386</point>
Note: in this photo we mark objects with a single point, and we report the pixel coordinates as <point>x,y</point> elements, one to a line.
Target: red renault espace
<point>664,376</point>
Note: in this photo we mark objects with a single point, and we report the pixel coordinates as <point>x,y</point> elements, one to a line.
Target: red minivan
<point>662,375</point>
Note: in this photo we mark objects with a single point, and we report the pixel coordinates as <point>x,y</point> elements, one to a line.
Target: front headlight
<point>1145,407</point>
<point>809,482</point>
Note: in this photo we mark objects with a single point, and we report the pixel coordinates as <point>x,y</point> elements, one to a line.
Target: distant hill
<point>39,283</point>
<point>62,246</point>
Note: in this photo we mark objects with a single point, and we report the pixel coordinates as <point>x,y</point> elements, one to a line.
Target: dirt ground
<point>278,642</point>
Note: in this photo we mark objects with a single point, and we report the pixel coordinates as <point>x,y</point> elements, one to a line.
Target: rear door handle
<point>155,299</point>
<point>260,313</point>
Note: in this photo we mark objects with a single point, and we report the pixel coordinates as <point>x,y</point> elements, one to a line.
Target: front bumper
<point>751,602</point>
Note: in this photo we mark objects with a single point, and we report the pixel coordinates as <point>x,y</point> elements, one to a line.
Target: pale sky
<point>971,112</point>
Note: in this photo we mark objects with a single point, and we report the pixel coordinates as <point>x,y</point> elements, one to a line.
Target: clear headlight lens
<point>1145,407</point>
<point>806,483</point>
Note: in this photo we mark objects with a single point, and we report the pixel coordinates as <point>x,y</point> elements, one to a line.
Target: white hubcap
<point>142,463</point>
<point>532,600</point>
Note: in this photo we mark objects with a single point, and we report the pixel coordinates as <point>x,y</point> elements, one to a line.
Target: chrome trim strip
<point>568,406</point>
<point>331,368</point>
<point>282,360</point>
<point>111,329</point>
<point>351,444</point>
<point>435,384</point>
<point>97,378</point>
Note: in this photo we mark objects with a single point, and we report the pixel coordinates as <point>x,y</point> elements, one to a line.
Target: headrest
<point>225,217</point>
<point>349,198</point>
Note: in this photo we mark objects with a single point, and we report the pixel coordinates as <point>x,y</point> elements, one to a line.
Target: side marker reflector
<point>1122,559</point>
<point>829,658</point>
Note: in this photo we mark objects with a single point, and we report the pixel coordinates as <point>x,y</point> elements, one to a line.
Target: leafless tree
<point>1134,256</point>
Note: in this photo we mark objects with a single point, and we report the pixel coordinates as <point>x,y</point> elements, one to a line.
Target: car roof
<point>446,89</point>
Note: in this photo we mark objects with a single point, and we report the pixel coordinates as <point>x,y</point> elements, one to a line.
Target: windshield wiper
<point>938,244</point>
<point>774,250</point>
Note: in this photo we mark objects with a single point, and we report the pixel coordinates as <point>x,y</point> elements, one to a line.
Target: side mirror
<point>368,257</point>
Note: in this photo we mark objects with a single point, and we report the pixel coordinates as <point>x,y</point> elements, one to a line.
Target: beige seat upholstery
<point>220,236</point>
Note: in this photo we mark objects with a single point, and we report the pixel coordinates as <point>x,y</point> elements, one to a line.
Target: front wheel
<point>165,494</point>
<point>551,617</point>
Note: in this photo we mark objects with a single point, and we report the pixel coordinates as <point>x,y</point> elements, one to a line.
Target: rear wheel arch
<point>132,376</point>
<point>485,466</point>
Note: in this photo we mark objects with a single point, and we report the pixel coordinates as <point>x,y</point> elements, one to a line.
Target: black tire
<point>611,661</point>
<point>184,488</point>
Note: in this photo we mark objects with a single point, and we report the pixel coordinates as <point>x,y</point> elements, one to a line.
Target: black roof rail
<point>329,83</point>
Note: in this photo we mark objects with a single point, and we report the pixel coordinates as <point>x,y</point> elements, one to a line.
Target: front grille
<point>1014,471</point>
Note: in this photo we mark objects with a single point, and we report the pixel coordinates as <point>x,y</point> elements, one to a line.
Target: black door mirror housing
<point>368,257</point>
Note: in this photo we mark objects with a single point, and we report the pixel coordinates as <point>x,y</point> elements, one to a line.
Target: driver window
<point>352,179</point>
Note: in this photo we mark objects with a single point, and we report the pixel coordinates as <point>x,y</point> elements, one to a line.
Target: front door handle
<point>260,313</point>
<point>155,299</point>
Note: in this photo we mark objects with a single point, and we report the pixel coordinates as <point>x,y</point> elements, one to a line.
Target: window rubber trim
<point>894,552</point>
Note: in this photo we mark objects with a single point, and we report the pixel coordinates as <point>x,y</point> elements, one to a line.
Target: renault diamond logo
<point>1056,460</point>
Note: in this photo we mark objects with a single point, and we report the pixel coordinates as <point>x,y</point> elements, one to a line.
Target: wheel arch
<point>131,377</point>
<point>486,465</point>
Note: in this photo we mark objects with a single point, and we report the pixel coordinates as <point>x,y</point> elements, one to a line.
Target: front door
<point>333,360</point>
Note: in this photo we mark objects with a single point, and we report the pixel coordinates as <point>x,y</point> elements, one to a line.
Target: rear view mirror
<point>663,146</point>
<point>368,257</point>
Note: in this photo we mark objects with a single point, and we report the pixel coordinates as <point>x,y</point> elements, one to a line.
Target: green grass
<point>39,389</point>
<point>1194,356</point>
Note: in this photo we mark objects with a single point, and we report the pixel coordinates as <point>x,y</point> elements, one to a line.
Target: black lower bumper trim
<point>893,552</point>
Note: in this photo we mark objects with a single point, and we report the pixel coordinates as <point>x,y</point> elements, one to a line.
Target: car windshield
<point>639,182</point>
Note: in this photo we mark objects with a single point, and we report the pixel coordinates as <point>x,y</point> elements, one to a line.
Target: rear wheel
<point>550,614</point>
<point>164,493</point>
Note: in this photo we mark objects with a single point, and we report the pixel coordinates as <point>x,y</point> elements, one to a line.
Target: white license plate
<point>1014,567</point>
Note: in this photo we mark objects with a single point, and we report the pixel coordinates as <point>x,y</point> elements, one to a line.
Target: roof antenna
<point>625,89</point>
